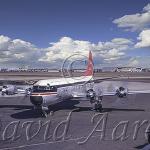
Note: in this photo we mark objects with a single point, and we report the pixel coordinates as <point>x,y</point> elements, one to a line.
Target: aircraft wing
<point>23,89</point>
<point>110,87</point>
<point>100,79</point>
<point>129,92</point>
<point>109,93</point>
<point>139,92</point>
<point>78,94</point>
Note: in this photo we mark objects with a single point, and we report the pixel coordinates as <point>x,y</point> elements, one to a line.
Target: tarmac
<point>71,125</point>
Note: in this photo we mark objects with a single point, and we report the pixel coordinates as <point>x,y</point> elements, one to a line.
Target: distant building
<point>22,70</point>
<point>146,70</point>
<point>97,70</point>
<point>81,70</point>
<point>108,69</point>
<point>4,69</point>
<point>53,70</point>
<point>128,69</point>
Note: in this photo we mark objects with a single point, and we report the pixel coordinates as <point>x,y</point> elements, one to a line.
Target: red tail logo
<point>89,70</point>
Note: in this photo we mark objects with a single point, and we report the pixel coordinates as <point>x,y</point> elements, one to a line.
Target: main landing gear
<point>96,101</point>
<point>98,106</point>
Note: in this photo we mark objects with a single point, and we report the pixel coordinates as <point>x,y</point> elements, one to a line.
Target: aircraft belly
<point>50,100</point>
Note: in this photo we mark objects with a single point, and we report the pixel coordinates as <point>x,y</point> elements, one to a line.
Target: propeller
<point>121,92</point>
<point>123,98</point>
<point>91,94</point>
<point>28,92</point>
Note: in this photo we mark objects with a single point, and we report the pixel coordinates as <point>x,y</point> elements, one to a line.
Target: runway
<point>31,77</point>
<point>72,125</point>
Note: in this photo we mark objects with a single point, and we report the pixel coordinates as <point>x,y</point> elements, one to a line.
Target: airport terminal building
<point>128,69</point>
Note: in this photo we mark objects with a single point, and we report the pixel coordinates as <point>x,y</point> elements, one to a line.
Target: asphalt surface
<point>23,128</point>
<point>35,76</point>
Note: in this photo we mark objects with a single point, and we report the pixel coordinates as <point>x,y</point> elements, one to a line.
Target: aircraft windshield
<point>44,89</point>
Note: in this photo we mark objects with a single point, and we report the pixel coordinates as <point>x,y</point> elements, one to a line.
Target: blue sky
<point>116,31</point>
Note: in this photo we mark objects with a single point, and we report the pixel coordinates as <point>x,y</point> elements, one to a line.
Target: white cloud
<point>108,51</point>
<point>19,56</point>
<point>113,54</point>
<point>117,43</point>
<point>18,44</point>
<point>65,47</point>
<point>136,21</point>
<point>138,61</point>
<point>121,41</point>
<point>144,39</point>
<point>4,42</point>
<point>18,53</point>
<point>133,62</point>
<point>147,7</point>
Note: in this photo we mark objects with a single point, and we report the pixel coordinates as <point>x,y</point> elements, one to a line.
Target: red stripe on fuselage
<point>44,93</point>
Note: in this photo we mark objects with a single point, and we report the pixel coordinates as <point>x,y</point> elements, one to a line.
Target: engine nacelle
<point>9,89</point>
<point>121,92</point>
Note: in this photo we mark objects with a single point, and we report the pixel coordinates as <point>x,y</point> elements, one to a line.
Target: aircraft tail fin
<point>89,70</point>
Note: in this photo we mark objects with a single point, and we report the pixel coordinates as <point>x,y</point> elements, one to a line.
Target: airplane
<point>52,91</point>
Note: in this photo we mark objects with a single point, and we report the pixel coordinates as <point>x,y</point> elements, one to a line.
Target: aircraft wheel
<point>7,93</point>
<point>148,137</point>
<point>98,107</point>
<point>44,114</point>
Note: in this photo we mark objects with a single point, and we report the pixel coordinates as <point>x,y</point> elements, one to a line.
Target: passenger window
<point>53,89</point>
<point>44,89</point>
<point>47,88</point>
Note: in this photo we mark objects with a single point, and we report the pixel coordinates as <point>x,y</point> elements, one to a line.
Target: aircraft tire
<point>98,107</point>
<point>148,137</point>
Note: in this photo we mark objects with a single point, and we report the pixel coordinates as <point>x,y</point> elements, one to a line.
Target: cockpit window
<point>44,89</point>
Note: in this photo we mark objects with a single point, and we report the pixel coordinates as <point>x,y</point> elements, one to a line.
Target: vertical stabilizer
<point>89,70</point>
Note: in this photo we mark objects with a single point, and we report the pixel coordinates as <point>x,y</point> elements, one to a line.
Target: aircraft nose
<point>36,100</point>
